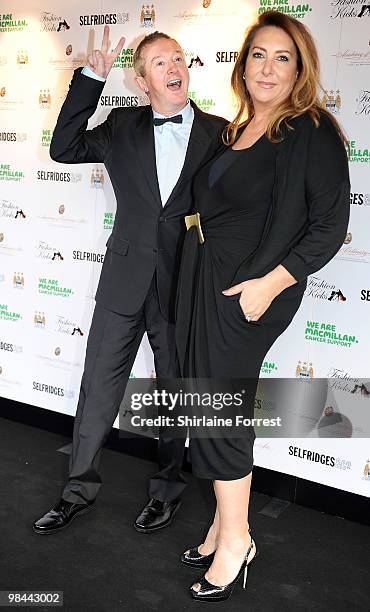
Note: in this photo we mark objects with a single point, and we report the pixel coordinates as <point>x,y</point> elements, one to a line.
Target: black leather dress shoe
<point>60,516</point>
<point>156,515</point>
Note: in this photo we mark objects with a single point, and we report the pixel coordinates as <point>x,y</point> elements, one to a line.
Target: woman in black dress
<point>273,208</point>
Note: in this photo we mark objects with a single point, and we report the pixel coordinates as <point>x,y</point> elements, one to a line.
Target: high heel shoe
<point>211,592</point>
<point>194,558</point>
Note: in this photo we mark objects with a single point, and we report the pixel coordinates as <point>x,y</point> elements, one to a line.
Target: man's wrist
<point>87,71</point>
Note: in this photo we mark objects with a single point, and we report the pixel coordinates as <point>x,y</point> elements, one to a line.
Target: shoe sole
<point>144,530</point>
<point>43,532</point>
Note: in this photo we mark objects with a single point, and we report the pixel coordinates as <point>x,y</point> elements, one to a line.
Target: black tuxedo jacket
<point>146,235</point>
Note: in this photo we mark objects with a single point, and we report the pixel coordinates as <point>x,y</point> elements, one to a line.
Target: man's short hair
<point>138,59</point>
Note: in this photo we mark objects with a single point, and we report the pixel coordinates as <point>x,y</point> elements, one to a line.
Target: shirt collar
<point>186,112</point>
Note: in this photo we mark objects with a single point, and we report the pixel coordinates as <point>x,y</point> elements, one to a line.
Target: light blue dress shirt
<point>171,142</point>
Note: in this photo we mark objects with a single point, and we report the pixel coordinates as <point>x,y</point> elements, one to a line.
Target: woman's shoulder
<point>325,127</point>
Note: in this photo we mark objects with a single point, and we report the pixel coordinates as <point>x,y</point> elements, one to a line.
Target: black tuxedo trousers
<point>112,346</point>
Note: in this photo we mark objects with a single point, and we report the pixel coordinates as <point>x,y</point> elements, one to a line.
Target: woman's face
<point>271,67</point>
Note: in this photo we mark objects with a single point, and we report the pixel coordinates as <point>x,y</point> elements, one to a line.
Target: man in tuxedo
<point>165,144</point>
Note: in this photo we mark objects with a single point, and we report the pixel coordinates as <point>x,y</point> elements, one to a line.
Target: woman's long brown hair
<point>304,95</point>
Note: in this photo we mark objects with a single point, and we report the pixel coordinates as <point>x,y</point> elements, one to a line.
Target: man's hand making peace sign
<point>101,61</point>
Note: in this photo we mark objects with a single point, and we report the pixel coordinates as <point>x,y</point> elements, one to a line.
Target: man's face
<point>166,76</point>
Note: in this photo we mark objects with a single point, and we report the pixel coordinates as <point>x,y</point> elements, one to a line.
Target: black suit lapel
<point>143,134</point>
<point>199,142</point>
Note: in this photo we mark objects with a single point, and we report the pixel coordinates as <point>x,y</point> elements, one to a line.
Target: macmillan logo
<point>320,289</point>
<point>88,256</point>
<point>9,23</point>
<point>10,210</point>
<point>205,104</point>
<point>363,103</point>
<point>339,463</point>
<point>304,370</point>
<point>63,325</point>
<point>332,101</point>
<point>8,174</point>
<point>327,333</point>
<point>61,177</point>
<point>13,136</point>
<point>103,18</point>
<point>49,22</point>
<point>127,101</point>
<point>46,251</point>
<point>360,199</point>
<point>226,57</point>
<point>298,11</point>
<point>9,315</point>
<point>124,59</point>
<point>268,367</point>
<point>108,220</point>
<point>46,136</point>
<point>50,286</point>
<point>147,16</point>
<point>342,9</point>
<point>97,178</point>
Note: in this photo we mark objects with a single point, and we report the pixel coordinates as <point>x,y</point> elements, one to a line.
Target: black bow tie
<point>176,119</point>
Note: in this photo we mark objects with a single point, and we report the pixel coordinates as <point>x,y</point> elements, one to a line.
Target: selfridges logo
<point>10,210</point>
<point>327,333</point>
<point>103,18</point>
<point>59,177</point>
<point>13,137</point>
<point>298,11</point>
<point>319,288</point>
<point>88,256</point>
<point>226,57</point>
<point>342,9</point>
<point>9,315</point>
<point>97,178</point>
<point>51,389</point>
<point>147,16</point>
<point>63,325</point>
<point>46,251</point>
<point>124,59</point>
<point>46,136</point>
<point>108,220</point>
<point>356,153</point>
<point>50,286</point>
<point>10,347</point>
<point>53,23</point>
<point>360,199</point>
<point>8,173</point>
<point>127,101</point>
<point>268,367</point>
<point>339,463</point>
<point>363,103</point>
<point>332,101</point>
<point>365,295</point>
<point>10,23</point>
<point>205,104</point>
<point>304,370</point>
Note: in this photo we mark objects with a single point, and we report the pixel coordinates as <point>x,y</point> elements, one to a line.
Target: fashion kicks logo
<point>298,11</point>
<point>63,325</point>
<point>10,210</point>
<point>344,9</point>
<point>46,251</point>
<point>49,22</point>
<point>320,289</point>
<point>363,103</point>
<point>328,333</point>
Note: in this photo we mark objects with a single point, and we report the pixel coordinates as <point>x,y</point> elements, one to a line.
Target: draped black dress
<point>233,194</point>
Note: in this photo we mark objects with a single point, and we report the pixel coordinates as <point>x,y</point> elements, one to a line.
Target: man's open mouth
<point>174,84</point>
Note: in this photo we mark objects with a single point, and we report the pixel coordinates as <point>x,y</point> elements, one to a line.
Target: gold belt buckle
<point>191,220</point>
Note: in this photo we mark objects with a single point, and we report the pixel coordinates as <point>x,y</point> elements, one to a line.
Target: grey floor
<point>307,560</point>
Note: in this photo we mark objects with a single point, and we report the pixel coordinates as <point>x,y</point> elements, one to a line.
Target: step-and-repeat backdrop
<point>55,219</point>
